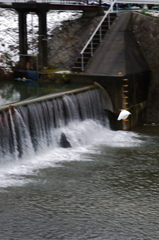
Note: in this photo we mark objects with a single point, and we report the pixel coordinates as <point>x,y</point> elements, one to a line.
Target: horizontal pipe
<point>47,97</point>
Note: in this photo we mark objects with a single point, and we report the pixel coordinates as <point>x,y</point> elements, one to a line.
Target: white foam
<point>84,137</point>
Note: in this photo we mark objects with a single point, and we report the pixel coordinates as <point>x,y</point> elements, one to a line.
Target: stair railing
<point>90,41</point>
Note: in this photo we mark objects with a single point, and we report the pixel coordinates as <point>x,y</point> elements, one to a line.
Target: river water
<point>106,187</point>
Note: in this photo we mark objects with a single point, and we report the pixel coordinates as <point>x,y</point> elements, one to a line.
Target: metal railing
<point>107,15</point>
<point>62,2</point>
<point>99,28</point>
<point>55,2</point>
<point>136,1</point>
<point>111,2</point>
<point>24,1</point>
<point>97,1</point>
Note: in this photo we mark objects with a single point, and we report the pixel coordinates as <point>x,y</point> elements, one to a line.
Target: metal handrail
<point>95,31</point>
<point>90,41</point>
<point>62,2</point>
<point>137,1</point>
<point>112,3</point>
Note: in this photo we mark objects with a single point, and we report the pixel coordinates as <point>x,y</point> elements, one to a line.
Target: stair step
<point>96,40</point>
<point>86,53</point>
<point>92,43</point>
<point>95,43</point>
<point>76,69</point>
<point>99,35</point>
<point>78,63</point>
<point>105,24</point>
<point>104,28</point>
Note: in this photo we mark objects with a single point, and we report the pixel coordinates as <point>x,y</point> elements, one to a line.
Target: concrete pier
<point>41,11</point>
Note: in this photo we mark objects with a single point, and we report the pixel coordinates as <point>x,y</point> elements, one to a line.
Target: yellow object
<point>120,73</point>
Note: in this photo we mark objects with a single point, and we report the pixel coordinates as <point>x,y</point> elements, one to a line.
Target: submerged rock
<point>64,142</point>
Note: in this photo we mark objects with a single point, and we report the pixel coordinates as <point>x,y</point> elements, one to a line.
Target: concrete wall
<point>146,32</point>
<point>136,96</point>
<point>69,39</point>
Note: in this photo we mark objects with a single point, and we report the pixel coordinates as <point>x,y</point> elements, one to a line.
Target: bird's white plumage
<point>123,115</point>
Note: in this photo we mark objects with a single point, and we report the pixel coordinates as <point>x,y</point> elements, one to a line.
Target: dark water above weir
<point>105,187</point>
<point>14,91</point>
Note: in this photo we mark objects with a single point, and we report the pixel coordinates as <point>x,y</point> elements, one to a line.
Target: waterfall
<point>27,129</point>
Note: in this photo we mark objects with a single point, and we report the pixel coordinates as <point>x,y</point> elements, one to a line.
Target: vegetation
<point>153,13</point>
<point>52,74</point>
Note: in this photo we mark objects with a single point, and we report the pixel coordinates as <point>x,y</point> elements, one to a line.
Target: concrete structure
<point>120,68</point>
<point>117,64</point>
<point>41,9</point>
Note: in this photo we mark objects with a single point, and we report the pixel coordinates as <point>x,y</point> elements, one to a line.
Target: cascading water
<point>103,179</point>
<point>29,129</point>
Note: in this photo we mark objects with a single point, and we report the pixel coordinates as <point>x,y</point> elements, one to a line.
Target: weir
<point>31,125</point>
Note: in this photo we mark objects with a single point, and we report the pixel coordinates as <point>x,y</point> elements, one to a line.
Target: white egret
<point>123,115</point>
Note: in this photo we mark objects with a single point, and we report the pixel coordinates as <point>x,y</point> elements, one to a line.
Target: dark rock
<point>64,142</point>
<point>112,119</point>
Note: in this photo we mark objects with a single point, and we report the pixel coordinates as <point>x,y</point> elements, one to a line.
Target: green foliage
<point>145,11</point>
<point>153,13</point>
